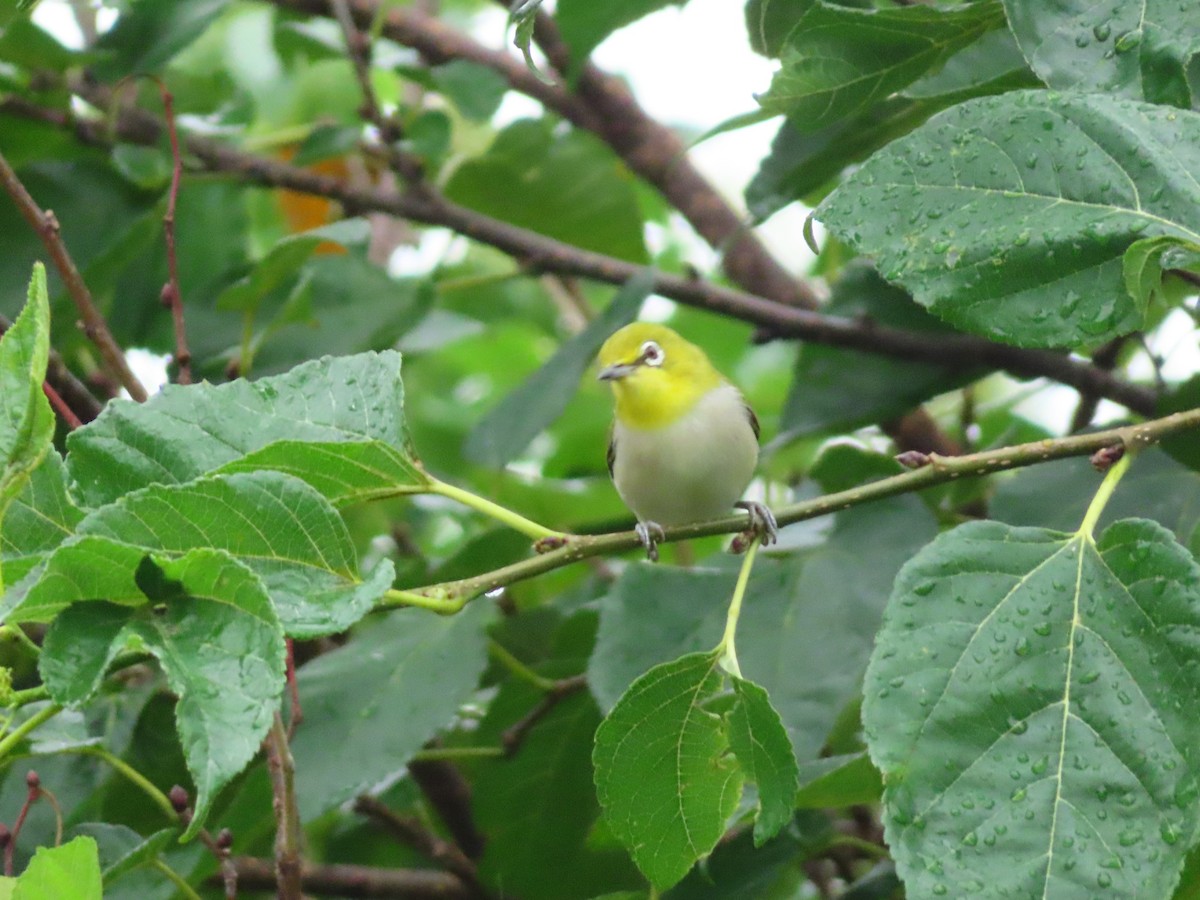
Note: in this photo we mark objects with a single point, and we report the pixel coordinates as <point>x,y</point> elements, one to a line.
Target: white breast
<point>693,469</point>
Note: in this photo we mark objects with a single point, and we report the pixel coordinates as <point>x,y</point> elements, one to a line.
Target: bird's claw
<point>650,533</point>
<point>762,521</point>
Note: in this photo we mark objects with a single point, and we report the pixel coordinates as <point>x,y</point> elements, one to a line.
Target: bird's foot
<point>650,533</point>
<point>762,522</point>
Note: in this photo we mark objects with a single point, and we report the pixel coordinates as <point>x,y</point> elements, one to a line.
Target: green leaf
<point>122,849</point>
<point>1131,48</point>
<point>149,33</point>
<point>285,259</point>
<point>40,518</point>
<point>769,22</point>
<point>477,90</point>
<point>219,643</point>
<point>663,774</point>
<point>1023,679</point>
<point>585,24</point>
<point>569,187</point>
<point>1009,216</point>
<point>69,872</point>
<point>509,427</point>
<point>1143,267</point>
<point>835,390</point>
<point>26,421</point>
<point>380,698</point>
<point>760,743</point>
<point>990,65</point>
<point>80,645</point>
<point>184,432</point>
<point>838,782</point>
<point>837,61</point>
<point>273,523</point>
<point>343,473</point>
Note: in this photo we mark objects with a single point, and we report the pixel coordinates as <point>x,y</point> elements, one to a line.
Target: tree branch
<point>930,470</point>
<point>354,881</point>
<point>288,834</point>
<point>94,326</point>
<point>448,792</point>
<point>172,296</point>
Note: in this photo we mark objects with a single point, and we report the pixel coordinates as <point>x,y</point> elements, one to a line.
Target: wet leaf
<point>1010,216</point>
<point>1029,703</point>
<point>40,518</point>
<point>760,742</point>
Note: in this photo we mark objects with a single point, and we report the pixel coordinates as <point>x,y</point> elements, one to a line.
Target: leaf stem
<point>176,879</point>
<point>442,754</point>
<point>518,669</point>
<point>502,514</point>
<point>727,648</point>
<point>445,607</point>
<point>1104,494</point>
<point>38,718</point>
<point>17,633</point>
<point>132,775</point>
<point>29,695</point>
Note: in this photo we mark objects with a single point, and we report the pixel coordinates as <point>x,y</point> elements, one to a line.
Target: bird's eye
<point>652,354</point>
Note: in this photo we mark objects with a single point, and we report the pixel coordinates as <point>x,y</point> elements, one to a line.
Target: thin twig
<point>288,834</point>
<point>60,406</point>
<point>94,326</point>
<point>172,296</point>
<point>358,47</point>
<point>514,736</point>
<point>929,470</point>
<point>410,832</point>
<point>449,794</point>
<point>355,881</point>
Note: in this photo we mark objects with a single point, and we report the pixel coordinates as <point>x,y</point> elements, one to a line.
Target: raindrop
<point>1023,648</point>
<point>1102,31</point>
<point>1127,41</point>
<point>1104,880</point>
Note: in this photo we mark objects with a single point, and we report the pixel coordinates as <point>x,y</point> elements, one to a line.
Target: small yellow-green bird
<point>684,442</point>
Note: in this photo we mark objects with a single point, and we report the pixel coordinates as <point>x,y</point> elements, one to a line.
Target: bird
<point>684,442</point>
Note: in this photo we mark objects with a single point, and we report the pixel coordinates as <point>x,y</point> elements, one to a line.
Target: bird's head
<point>655,374</point>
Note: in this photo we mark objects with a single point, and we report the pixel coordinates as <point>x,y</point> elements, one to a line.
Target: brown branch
<point>288,831</point>
<point>541,253</point>
<point>60,406</point>
<point>602,105</point>
<point>449,794</point>
<point>172,296</point>
<point>1105,358</point>
<point>514,736</point>
<point>354,881</point>
<point>94,326</point>
<point>412,833</point>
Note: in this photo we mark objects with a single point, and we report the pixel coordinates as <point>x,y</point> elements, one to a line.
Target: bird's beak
<point>617,372</point>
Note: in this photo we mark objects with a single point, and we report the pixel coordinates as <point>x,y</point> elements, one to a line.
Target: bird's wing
<point>612,451</point>
<point>749,414</point>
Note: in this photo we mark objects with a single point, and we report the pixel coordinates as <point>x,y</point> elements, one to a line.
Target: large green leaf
<point>769,22</point>
<point>1132,48</point>
<point>571,187</point>
<point>1030,704</point>
<point>380,698</point>
<point>26,421</point>
<point>184,432</point>
<point>69,872</point>
<point>275,524</point>
<point>209,621</point>
<point>836,61</point>
<point>663,773</point>
<point>508,428</point>
<point>585,23</point>
<point>1009,216</point>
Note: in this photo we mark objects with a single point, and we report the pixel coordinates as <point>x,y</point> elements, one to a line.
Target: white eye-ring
<point>652,354</point>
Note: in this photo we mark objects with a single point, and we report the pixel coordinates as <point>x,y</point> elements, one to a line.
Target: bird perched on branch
<point>684,442</point>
